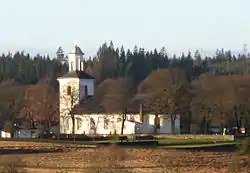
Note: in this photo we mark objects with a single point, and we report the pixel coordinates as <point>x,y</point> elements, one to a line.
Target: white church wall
<point>74,62</point>
<point>105,124</point>
<point>91,124</point>
<point>111,124</point>
<point>65,102</point>
<point>148,125</point>
<point>165,124</point>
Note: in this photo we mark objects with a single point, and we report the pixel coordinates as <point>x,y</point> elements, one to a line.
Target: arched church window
<point>92,124</point>
<point>78,123</point>
<point>106,123</point>
<point>67,123</point>
<point>86,90</point>
<point>71,65</point>
<point>69,90</point>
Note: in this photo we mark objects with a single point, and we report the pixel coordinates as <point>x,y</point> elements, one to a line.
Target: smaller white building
<point>77,88</point>
<point>4,134</point>
<point>26,133</point>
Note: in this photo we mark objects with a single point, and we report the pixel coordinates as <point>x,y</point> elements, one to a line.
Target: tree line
<point>205,90</point>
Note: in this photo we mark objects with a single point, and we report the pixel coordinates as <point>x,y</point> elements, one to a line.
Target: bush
<point>244,147</point>
<point>146,137</point>
<point>92,138</point>
<point>109,159</point>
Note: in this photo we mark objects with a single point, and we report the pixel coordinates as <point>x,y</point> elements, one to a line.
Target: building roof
<point>76,50</point>
<point>77,74</point>
<point>93,105</point>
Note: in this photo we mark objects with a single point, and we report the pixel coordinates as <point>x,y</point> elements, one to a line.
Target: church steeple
<point>75,58</point>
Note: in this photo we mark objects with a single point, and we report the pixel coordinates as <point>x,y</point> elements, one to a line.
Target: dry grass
<point>11,144</point>
<point>12,165</point>
<point>123,160</point>
<point>197,137</point>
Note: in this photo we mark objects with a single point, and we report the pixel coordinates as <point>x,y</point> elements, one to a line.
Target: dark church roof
<point>76,50</point>
<point>77,74</point>
<point>93,105</point>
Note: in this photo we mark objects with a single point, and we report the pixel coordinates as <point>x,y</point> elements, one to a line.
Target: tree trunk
<point>124,117</point>
<point>237,121</point>
<point>205,125</point>
<point>73,128</point>
<point>46,127</point>
<point>123,122</point>
<point>247,122</point>
<point>241,119</point>
<point>189,121</point>
<point>173,124</point>
<point>223,124</point>
<point>156,123</point>
<point>209,121</point>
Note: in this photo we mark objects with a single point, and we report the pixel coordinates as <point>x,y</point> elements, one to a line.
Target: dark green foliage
<point>111,62</point>
<point>26,70</point>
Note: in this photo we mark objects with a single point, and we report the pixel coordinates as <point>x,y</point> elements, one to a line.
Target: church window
<point>132,118</point>
<point>78,123</point>
<point>67,124</point>
<point>92,124</point>
<point>69,90</point>
<point>106,123</point>
<point>71,65</point>
<point>85,90</point>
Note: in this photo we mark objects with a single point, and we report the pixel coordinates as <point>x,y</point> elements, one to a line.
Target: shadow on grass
<point>215,148</point>
<point>28,151</point>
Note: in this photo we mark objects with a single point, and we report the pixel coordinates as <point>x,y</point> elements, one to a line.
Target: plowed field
<point>116,159</point>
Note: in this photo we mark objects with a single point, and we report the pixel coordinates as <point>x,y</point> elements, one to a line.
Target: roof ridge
<point>77,74</point>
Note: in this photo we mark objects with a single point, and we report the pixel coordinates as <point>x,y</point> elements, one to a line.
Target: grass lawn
<point>196,145</point>
<point>168,142</point>
<point>163,143</point>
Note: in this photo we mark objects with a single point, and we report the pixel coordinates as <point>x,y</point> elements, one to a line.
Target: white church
<point>77,88</point>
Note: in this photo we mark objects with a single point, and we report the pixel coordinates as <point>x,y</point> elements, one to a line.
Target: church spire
<point>75,58</point>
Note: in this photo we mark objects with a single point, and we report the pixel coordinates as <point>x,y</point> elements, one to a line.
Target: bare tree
<point>94,124</point>
<point>168,94</point>
<point>11,102</point>
<point>116,95</point>
<point>40,104</point>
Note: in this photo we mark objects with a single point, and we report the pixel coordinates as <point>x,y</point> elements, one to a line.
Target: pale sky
<point>179,25</point>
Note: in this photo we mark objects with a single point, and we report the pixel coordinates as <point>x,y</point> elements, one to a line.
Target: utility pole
<point>245,49</point>
<point>245,55</point>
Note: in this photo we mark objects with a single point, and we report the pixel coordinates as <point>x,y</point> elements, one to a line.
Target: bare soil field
<point>117,159</point>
